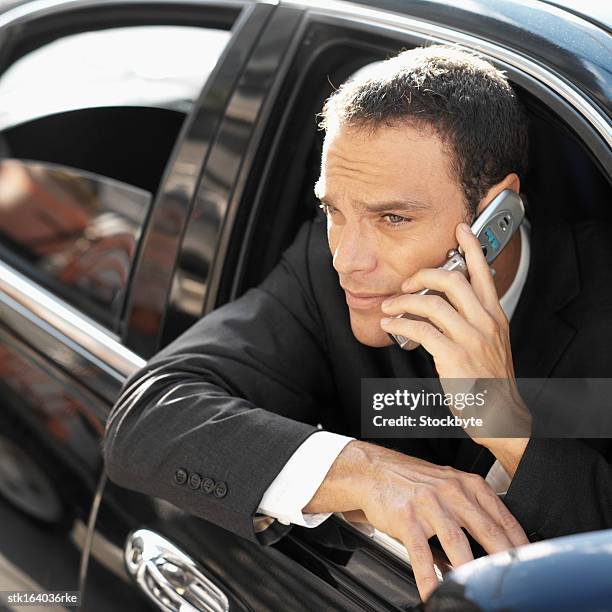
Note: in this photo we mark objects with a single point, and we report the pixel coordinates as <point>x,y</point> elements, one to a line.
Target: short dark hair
<point>466,101</point>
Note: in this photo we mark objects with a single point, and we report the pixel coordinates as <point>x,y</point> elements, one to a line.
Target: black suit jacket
<point>211,419</point>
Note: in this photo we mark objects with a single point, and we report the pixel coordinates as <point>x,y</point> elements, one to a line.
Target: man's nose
<point>354,251</point>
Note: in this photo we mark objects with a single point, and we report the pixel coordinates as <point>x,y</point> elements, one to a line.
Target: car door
<point>254,190</point>
<point>94,103</point>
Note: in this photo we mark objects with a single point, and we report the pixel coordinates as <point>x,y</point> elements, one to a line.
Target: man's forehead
<point>390,164</point>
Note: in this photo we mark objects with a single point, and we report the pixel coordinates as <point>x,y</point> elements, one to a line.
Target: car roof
<point>598,12</point>
<point>577,48</point>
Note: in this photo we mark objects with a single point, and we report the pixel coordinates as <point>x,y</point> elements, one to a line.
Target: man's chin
<point>367,331</point>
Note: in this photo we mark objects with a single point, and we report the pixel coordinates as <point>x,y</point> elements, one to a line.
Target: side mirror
<point>563,574</point>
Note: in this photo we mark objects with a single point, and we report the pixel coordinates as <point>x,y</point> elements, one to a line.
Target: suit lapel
<point>538,334</point>
<point>419,364</point>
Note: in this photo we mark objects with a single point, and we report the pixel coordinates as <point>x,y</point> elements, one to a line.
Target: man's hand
<point>413,500</point>
<point>468,335</point>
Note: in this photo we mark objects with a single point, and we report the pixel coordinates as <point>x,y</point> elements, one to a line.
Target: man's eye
<point>326,208</point>
<point>395,219</point>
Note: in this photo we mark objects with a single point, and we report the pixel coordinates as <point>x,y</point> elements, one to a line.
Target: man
<point>222,422</point>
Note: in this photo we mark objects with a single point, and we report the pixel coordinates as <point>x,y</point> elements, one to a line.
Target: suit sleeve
<point>210,420</point>
<point>561,486</point>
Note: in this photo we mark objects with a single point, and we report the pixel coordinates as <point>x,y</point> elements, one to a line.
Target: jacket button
<point>220,489</point>
<point>195,480</point>
<point>180,476</point>
<point>208,484</point>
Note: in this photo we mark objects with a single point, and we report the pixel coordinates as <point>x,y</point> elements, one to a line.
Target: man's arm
<point>562,487</point>
<point>227,403</point>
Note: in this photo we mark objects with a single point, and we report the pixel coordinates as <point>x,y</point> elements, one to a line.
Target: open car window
<point>564,179</point>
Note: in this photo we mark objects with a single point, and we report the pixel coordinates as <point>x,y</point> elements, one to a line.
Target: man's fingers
<point>355,516</point>
<point>421,560</point>
<point>480,274</point>
<point>459,496</point>
<point>498,510</point>
<point>451,536</point>
<point>454,285</point>
<point>437,310</point>
<point>433,340</point>
<point>483,527</point>
<point>454,543</point>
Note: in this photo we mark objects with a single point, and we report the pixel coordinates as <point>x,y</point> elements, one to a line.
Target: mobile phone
<point>494,228</point>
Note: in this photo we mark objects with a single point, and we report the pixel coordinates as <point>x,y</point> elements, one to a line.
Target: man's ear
<point>511,181</point>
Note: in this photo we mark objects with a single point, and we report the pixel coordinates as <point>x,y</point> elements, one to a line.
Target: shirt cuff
<point>498,478</point>
<point>302,475</point>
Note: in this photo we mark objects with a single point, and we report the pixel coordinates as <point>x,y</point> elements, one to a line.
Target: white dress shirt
<point>302,475</point>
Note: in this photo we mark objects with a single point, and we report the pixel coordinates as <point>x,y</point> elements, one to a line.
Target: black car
<point>156,157</point>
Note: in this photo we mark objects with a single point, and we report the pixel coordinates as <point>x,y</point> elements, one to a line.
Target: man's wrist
<point>346,482</point>
<point>508,451</point>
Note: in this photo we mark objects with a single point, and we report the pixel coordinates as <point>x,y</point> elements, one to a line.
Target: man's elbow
<point>121,445</point>
<point>115,464</point>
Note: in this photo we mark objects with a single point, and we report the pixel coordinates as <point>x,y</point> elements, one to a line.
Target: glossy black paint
<point>254,577</point>
<point>599,13</point>
<point>221,189</point>
<point>564,574</point>
<point>155,268</point>
<point>57,422</point>
<point>575,48</point>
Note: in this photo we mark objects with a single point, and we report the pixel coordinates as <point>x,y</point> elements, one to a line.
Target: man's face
<point>392,209</point>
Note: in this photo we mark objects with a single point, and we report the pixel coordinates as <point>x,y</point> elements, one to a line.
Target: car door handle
<point>169,577</point>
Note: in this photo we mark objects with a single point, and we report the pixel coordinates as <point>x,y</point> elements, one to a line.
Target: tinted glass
<point>71,230</point>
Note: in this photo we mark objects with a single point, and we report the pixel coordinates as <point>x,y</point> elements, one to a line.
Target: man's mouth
<point>365,301</point>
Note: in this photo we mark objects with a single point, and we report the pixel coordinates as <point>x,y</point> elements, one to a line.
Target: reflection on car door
<point>82,153</point>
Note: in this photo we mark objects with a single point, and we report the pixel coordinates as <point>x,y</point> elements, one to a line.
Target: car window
<point>75,231</point>
<point>87,125</point>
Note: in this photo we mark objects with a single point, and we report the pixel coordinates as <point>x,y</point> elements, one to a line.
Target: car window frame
<point>595,134</point>
<point>176,203</point>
